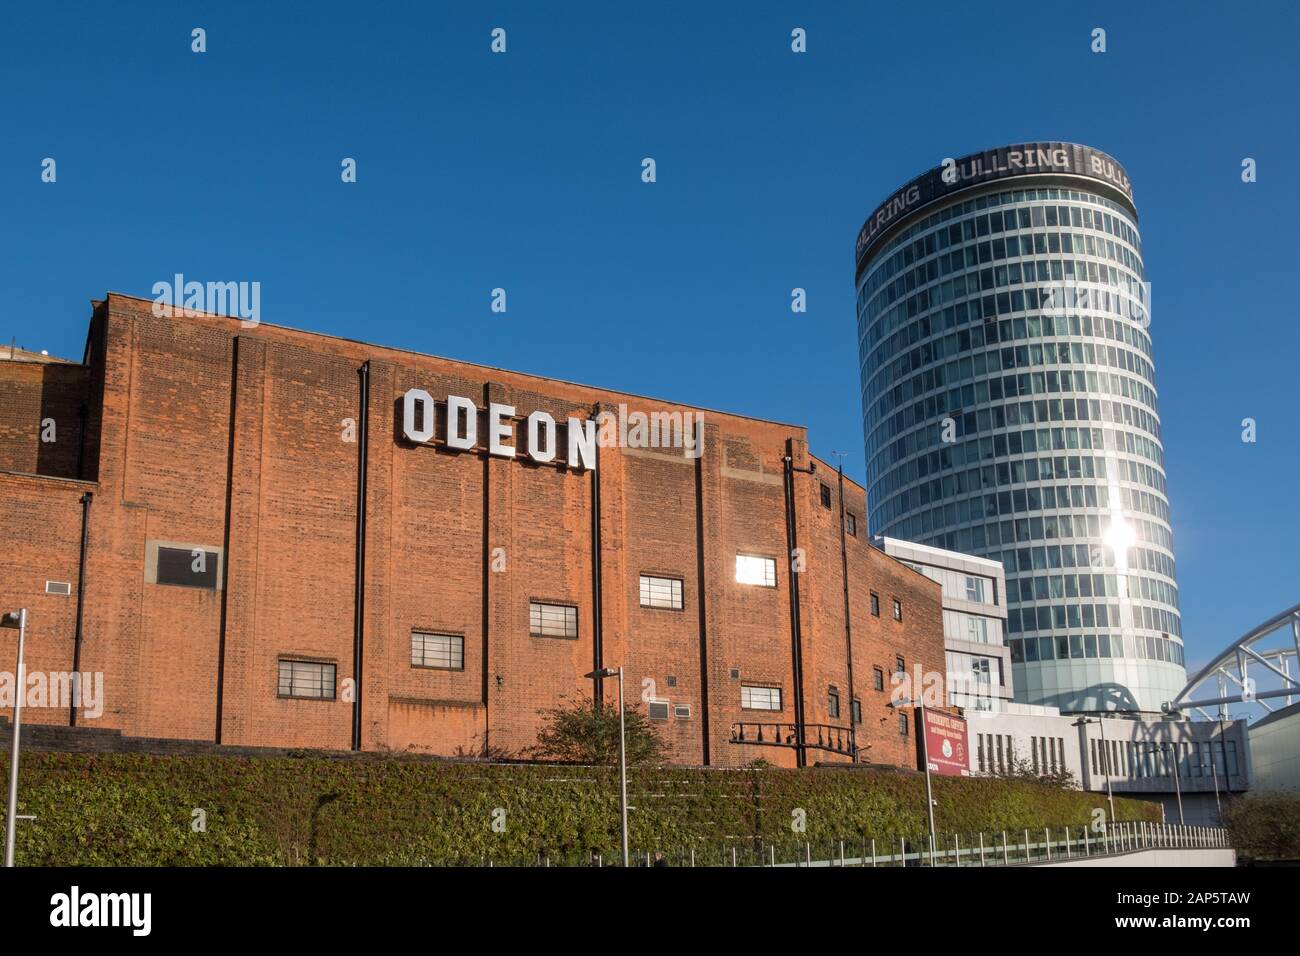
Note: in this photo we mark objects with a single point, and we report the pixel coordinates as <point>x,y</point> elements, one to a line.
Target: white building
<point>974,621</point>
<point>1129,755</point>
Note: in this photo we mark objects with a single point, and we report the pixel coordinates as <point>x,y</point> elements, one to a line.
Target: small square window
<point>754,569</point>
<point>657,709</point>
<point>311,680</point>
<point>672,681</point>
<point>760,698</point>
<point>552,620</point>
<point>191,568</point>
<point>663,593</point>
<point>438,651</point>
<point>875,604</point>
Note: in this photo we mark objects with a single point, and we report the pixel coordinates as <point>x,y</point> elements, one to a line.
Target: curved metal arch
<point>1236,657</point>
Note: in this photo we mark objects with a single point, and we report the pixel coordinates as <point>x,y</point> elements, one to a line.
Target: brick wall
<point>243,442</point>
<point>41,417</point>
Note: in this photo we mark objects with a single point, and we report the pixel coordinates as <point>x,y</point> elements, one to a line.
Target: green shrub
<point>1265,826</point>
<point>576,731</point>
<point>140,810</point>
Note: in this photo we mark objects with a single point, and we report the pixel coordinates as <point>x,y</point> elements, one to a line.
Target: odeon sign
<point>419,423</point>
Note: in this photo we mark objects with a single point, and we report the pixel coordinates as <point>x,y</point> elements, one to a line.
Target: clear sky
<point>523,171</point>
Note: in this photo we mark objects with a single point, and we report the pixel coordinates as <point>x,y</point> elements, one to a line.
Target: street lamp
<point>1105,757</point>
<point>1174,769</point>
<point>16,620</point>
<point>925,761</point>
<point>1214,769</point>
<point>622,749</point>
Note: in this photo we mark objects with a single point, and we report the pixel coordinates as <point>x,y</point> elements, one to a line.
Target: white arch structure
<point>1233,666</point>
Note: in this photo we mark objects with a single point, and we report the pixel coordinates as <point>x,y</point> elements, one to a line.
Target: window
<point>191,568</point>
<point>308,679</point>
<point>682,711</point>
<point>661,592</point>
<point>975,589</point>
<point>760,698</point>
<point>878,678</point>
<point>833,702</point>
<point>826,496</point>
<point>875,604</point>
<point>753,569</point>
<point>857,711</point>
<point>657,709</point>
<point>898,610</point>
<point>902,725</point>
<point>552,620</point>
<point>439,651</point>
<point>900,665</point>
<point>851,523</point>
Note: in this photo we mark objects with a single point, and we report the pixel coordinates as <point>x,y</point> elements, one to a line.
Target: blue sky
<point>522,171</point>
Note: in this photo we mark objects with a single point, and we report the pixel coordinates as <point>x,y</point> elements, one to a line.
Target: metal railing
<point>1007,848</point>
<point>830,737</point>
<point>989,848</point>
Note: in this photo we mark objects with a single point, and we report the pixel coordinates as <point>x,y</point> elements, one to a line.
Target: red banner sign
<point>945,744</point>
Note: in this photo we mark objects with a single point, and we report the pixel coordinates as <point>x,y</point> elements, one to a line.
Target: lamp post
<point>1178,789</point>
<point>16,620</point>
<point>1105,758</point>
<point>622,750</point>
<point>1214,769</point>
<point>925,761</point>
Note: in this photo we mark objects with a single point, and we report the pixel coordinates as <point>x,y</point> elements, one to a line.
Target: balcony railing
<point>828,737</point>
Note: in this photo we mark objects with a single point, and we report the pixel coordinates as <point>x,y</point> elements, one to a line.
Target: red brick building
<point>234,526</point>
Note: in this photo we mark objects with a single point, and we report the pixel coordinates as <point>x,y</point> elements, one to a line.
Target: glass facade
<point>1009,412</point>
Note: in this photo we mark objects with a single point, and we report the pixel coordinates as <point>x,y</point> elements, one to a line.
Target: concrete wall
<point>1127,738</point>
<point>1275,750</point>
<point>1203,857</point>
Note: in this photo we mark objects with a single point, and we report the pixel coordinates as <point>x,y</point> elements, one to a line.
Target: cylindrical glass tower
<point>1009,410</point>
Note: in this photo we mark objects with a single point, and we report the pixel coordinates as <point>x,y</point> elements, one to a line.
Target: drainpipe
<point>359,601</point>
<point>81,603</point>
<point>486,610</point>
<point>848,624</point>
<point>225,542</point>
<point>700,599</point>
<point>796,639</point>
<point>597,634</point>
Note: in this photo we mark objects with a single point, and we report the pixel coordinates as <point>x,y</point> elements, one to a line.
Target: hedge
<point>122,809</point>
<point>1264,826</point>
